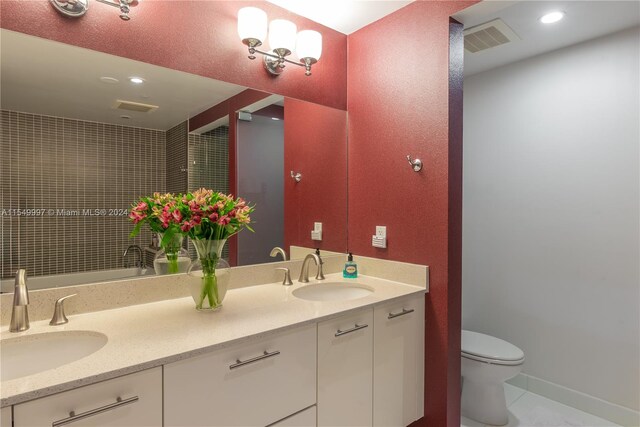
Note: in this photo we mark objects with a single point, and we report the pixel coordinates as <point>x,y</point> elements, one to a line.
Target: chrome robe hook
<point>415,164</point>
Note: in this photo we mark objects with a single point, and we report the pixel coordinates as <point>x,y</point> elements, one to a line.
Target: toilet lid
<point>486,346</point>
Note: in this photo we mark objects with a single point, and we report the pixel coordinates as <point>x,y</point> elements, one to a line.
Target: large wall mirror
<point>82,139</point>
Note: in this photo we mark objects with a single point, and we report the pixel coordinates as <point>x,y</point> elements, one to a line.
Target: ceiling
<point>45,77</point>
<point>345,16</point>
<point>584,20</point>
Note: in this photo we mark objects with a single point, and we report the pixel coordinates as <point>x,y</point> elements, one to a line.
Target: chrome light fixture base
<point>71,8</point>
<point>77,8</point>
<point>273,66</point>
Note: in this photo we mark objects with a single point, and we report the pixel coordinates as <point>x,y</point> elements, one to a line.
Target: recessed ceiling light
<point>552,17</point>
<point>274,118</point>
<point>125,117</point>
<point>109,80</point>
<point>136,80</point>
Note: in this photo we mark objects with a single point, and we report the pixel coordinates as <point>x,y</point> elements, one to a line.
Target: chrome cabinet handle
<point>348,331</point>
<point>264,355</point>
<point>402,313</point>
<point>73,417</point>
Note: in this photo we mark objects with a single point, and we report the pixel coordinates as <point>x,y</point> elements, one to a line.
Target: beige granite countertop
<point>154,334</point>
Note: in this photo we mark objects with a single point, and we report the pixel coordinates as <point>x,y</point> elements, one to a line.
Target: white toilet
<point>487,362</point>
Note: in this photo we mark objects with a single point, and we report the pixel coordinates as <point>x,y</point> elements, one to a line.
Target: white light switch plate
<point>316,233</point>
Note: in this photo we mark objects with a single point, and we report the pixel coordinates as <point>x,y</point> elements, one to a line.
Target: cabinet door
<point>251,384</point>
<point>398,362</point>
<point>5,417</point>
<point>306,418</point>
<point>132,400</point>
<point>345,350</point>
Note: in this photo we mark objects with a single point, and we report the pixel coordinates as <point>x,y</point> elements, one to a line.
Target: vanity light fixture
<point>552,17</point>
<point>77,8</point>
<point>283,40</point>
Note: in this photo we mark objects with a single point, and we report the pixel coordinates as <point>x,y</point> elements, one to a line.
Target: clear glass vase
<point>172,258</point>
<point>209,275</point>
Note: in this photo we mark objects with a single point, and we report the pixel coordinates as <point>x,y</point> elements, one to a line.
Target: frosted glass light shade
<point>309,44</point>
<point>252,24</point>
<point>282,35</point>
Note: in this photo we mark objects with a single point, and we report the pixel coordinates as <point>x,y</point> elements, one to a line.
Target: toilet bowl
<point>487,362</point>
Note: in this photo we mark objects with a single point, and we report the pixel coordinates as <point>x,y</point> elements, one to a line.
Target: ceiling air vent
<point>135,106</point>
<point>490,34</point>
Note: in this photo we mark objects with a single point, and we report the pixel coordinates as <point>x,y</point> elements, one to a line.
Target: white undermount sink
<point>31,354</point>
<point>332,291</point>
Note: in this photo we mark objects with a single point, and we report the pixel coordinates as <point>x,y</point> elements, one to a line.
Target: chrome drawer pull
<point>73,417</point>
<point>402,313</point>
<point>355,328</point>
<point>253,359</point>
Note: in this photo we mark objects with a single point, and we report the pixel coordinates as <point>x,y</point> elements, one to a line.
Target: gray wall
<point>551,217</point>
<point>53,164</point>
<point>260,146</point>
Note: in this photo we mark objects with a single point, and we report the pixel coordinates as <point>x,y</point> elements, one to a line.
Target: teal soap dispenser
<point>350,268</point>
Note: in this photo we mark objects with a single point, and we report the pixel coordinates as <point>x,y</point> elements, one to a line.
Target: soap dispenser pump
<point>350,268</point>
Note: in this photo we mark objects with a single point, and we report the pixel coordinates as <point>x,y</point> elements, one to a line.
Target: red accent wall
<point>412,105</point>
<point>198,37</point>
<point>315,140</point>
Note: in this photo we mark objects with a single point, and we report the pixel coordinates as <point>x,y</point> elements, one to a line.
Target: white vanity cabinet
<point>345,370</point>
<point>5,417</point>
<point>306,418</point>
<point>398,362</point>
<point>255,383</point>
<point>132,400</point>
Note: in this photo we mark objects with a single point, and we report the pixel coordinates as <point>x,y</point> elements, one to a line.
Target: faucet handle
<point>319,274</point>
<point>59,317</point>
<point>287,276</point>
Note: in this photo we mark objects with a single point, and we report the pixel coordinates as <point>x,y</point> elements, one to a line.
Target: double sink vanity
<point>331,352</point>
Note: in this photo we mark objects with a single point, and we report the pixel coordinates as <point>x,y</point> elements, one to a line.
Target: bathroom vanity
<point>267,358</point>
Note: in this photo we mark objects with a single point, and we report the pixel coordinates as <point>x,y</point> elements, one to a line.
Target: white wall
<point>551,213</point>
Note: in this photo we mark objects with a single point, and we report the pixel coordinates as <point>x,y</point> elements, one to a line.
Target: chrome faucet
<point>278,250</point>
<point>19,313</point>
<point>137,248</point>
<point>304,272</point>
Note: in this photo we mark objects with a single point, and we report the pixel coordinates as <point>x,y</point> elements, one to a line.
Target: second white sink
<point>31,354</point>
<point>332,291</point>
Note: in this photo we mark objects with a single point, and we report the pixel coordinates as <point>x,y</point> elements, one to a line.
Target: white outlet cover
<point>381,231</point>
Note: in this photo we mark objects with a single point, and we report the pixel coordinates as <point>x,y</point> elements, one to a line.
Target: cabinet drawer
<point>140,404</point>
<point>250,384</point>
<point>306,418</point>
<point>398,361</point>
<point>5,417</point>
<point>345,347</point>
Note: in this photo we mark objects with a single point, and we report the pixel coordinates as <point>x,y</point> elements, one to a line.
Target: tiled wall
<point>209,165</point>
<point>54,165</point>
<point>209,160</point>
<point>176,166</point>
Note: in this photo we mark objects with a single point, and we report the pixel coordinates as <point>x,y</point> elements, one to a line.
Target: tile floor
<point>531,410</point>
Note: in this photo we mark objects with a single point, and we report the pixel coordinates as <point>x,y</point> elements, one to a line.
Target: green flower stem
<point>209,282</point>
<point>172,267</point>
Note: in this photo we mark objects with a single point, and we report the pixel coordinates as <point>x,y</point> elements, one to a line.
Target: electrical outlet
<point>379,240</point>
<point>317,227</point>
